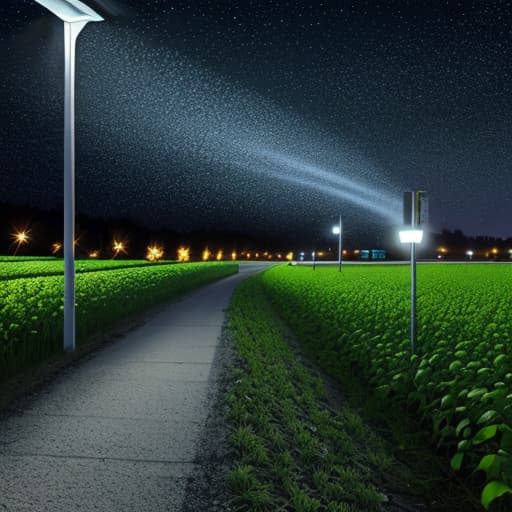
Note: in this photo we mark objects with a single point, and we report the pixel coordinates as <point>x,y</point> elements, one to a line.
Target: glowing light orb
<point>233,255</point>
<point>183,254</point>
<point>20,238</point>
<point>220,255</point>
<point>93,254</point>
<point>154,253</point>
<point>289,256</point>
<point>119,247</point>
<point>56,247</point>
<point>206,254</point>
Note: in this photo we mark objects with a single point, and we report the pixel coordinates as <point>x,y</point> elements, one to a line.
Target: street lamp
<point>337,230</point>
<point>75,15</point>
<point>415,215</point>
<point>469,254</point>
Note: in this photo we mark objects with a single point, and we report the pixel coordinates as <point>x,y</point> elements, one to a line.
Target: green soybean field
<point>14,269</point>
<point>458,383</point>
<point>31,308</point>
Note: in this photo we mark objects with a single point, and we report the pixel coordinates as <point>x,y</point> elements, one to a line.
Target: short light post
<point>337,230</point>
<point>313,256</point>
<point>75,15</point>
<point>415,214</point>
<point>469,254</point>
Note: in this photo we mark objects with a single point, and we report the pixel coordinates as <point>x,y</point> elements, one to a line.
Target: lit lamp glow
<point>154,253</point>
<point>56,247</point>
<point>184,254</point>
<point>118,247</point>
<point>20,238</point>
<point>411,236</point>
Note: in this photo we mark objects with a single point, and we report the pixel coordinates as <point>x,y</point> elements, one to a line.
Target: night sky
<point>267,116</point>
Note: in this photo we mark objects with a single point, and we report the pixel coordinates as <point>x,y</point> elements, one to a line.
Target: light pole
<point>469,254</point>
<point>337,230</point>
<point>75,15</point>
<point>415,215</point>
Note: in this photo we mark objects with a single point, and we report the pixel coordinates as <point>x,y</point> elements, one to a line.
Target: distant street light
<point>118,247</point>
<point>469,254</point>
<point>20,238</point>
<point>75,15</point>
<point>337,230</point>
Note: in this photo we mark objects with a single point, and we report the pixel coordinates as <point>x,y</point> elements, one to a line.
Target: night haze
<point>266,117</point>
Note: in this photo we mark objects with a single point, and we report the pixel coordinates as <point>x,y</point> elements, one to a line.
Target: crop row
<point>292,450</point>
<point>54,267</point>
<point>17,259</point>
<point>460,379</point>
<point>31,309</point>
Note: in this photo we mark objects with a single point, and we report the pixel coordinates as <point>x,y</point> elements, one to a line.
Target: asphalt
<point>121,430</point>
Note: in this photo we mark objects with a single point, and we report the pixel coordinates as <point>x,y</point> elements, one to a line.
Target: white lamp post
<point>337,230</point>
<point>75,15</point>
<point>469,254</point>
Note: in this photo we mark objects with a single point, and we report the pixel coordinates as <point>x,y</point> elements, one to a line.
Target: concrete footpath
<point>120,430</point>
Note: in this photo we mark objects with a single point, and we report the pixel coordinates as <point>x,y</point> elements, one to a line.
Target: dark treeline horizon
<point>45,227</point>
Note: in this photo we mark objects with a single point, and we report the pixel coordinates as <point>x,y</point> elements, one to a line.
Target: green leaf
<point>502,358</point>
<point>494,490</point>
<point>456,461</point>
<point>492,465</point>
<point>486,462</point>
<point>455,365</point>
<point>487,416</point>
<point>462,425</point>
<point>484,434</point>
<point>477,392</point>
<point>463,445</point>
<point>447,401</point>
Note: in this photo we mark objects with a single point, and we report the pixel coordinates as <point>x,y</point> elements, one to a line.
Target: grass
<point>458,385</point>
<point>293,451</point>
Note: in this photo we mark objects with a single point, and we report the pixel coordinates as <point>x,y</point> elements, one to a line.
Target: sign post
<point>337,230</point>
<point>415,216</point>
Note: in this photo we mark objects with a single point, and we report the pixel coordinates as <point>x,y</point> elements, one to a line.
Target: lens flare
<point>20,238</point>
<point>154,253</point>
<point>119,247</point>
<point>184,254</point>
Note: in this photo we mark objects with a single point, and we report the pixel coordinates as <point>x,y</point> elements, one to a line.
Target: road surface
<point>120,430</point>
